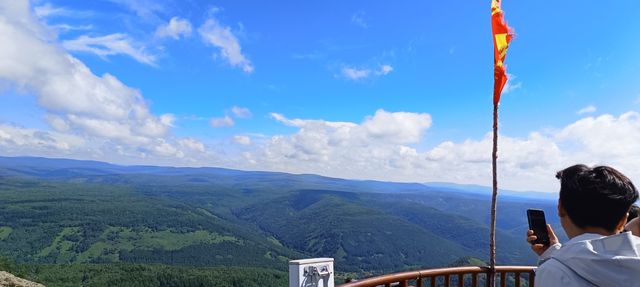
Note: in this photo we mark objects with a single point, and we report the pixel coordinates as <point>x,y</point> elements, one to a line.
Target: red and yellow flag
<point>502,35</point>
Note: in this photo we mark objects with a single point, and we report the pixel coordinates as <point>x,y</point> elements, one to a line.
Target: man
<point>593,209</point>
<point>633,226</point>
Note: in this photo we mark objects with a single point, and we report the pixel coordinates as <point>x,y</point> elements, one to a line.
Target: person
<point>593,209</point>
<point>633,226</point>
<point>633,212</point>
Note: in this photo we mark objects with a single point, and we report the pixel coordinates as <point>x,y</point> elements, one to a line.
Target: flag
<point>502,35</point>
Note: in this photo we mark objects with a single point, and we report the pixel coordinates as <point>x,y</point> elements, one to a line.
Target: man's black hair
<point>595,197</point>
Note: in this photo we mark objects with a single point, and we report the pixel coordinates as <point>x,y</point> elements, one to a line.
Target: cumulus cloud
<point>220,36</point>
<point>587,110</point>
<point>398,127</point>
<point>175,29</point>
<point>355,74</point>
<point>225,121</point>
<point>17,139</point>
<point>385,146</point>
<point>192,144</point>
<point>109,45</point>
<point>89,114</point>
<point>336,143</point>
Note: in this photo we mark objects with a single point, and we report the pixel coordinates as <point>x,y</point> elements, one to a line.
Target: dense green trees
<point>167,227</point>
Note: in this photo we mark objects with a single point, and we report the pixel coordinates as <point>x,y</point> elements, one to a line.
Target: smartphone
<point>538,224</point>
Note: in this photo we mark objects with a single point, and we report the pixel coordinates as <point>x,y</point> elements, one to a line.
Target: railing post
<point>491,277</point>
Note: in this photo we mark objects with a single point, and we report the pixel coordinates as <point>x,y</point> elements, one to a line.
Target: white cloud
<point>175,29</point>
<point>109,45</point>
<point>326,141</point>
<point>17,139</point>
<point>358,19</point>
<point>145,9</point>
<point>240,112</point>
<point>355,74</point>
<point>587,110</point>
<point>380,147</point>
<point>48,10</point>
<point>67,27</point>
<point>221,37</point>
<point>399,127</point>
<point>385,69</point>
<point>192,144</point>
<point>93,116</point>
<point>225,121</point>
<point>243,140</point>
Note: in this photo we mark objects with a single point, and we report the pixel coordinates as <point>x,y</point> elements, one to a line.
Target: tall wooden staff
<point>502,35</point>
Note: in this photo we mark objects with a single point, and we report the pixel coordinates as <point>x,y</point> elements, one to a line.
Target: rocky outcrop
<point>8,280</point>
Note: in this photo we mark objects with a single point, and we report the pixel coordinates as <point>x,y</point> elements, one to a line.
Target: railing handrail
<point>426,273</point>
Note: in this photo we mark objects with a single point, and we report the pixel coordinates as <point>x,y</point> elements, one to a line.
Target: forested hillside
<point>95,222</point>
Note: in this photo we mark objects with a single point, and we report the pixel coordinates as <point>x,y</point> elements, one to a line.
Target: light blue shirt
<point>592,260</point>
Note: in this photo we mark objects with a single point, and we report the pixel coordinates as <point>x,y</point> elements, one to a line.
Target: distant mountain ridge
<point>480,189</point>
<point>29,166</point>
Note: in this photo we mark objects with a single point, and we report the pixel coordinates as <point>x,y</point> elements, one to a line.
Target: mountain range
<point>61,212</point>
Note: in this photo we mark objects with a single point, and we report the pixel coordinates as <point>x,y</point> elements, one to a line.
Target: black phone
<point>538,224</point>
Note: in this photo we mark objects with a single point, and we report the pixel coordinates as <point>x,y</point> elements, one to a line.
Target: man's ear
<point>561,211</point>
<point>621,223</point>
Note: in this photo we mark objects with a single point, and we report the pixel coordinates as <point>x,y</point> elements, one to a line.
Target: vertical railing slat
<point>503,279</point>
<point>419,282</point>
<point>474,280</point>
<point>517,279</point>
<point>433,281</point>
<point>532,279</point>
<point>446,280</point>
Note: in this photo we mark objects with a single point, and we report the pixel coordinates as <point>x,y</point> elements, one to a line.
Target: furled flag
<point>502,35</point>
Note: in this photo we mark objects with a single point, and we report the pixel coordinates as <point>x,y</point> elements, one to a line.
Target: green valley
<point>64,222</point>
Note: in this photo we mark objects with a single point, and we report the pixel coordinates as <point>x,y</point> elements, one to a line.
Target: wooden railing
<point>449,277</point>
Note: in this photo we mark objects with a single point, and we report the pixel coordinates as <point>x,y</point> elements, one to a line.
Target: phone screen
<point>538,224</point>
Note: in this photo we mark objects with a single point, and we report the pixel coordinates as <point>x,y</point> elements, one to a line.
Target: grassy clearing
<point>5,231</point>
<point>61,247</point>
<point>115,239</point>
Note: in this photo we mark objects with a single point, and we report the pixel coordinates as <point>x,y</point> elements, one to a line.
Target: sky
<point>352,89</point>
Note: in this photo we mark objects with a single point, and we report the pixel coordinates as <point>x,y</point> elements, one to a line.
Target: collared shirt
<point>592,260</point>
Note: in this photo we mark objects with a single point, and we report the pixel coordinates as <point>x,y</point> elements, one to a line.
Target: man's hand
<point>539,248</point>
<point>634,226</point>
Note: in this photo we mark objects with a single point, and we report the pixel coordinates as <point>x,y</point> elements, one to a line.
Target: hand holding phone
<point>538,224</point>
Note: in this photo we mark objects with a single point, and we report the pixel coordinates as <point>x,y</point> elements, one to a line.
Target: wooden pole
<point>494,199</point>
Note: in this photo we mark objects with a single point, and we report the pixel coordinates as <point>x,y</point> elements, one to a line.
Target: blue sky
<point>362,89</point>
